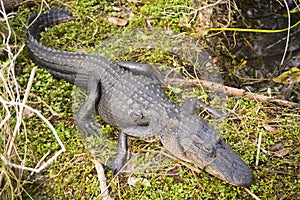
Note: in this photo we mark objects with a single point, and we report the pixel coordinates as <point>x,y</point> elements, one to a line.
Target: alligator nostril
<point>209,151</point>
<point>245,179</point>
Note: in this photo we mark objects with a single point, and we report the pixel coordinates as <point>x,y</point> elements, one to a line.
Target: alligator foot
<point>190,105</point>
<point>121,156</point>
<point>89,127</point>
<point>142,69</point>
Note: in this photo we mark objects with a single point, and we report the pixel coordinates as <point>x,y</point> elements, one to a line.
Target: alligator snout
<point>205,148</point>
<point>232,169</point>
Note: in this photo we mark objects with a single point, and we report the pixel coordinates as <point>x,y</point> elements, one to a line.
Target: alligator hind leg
<point>121,156</point>
<point>142,69</point>
<point>190,105</point>
<point>87,109</point>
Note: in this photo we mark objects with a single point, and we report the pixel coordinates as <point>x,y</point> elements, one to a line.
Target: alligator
<point>131,97</point>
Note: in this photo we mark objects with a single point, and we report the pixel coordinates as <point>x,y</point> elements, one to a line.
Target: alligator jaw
<point>204,147</point>
<point>230,168</point>
<point>225,164</point>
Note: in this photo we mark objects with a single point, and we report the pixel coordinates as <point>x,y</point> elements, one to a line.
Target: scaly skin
<point>129,96</point>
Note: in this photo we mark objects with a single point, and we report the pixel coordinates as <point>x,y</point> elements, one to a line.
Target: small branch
<point>43,166</point>
<point>232,91</point>
<point>195,169</point>
<point>102,180</point>
<point>20,113</point>
<point>283,172</point>
<point>258,148</point>
<point>252,194</point>
<point>288,32</point>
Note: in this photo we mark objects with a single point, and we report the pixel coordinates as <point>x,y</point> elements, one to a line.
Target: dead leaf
<point>291,76</point>
<point>276,147</point>
<point>28,113</point>
<point>132,181</point>
<point>150,22</point>
<point>281,153</point>
<point>118,9</point>
<point>138,2</point>
<point>117,21</point>
<point>269,127</point>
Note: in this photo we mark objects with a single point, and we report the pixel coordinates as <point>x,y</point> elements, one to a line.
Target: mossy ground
<point>73,175</point>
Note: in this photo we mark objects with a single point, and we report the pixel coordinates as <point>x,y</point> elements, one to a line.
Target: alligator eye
<point>219,143</point>
<point>208,151</point>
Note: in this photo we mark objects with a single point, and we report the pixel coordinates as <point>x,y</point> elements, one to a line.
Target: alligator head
<point>191,139</point>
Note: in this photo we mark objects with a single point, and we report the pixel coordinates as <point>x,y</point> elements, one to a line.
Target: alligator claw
<point>121,157</point>
<point>90,128</point>
<point>115,168</point>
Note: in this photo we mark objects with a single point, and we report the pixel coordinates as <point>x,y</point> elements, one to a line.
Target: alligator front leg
<point>142,69</point>
<point>87,109</point>
<point>190,105</point>
<point>133,131</point>
<point>121,156</point>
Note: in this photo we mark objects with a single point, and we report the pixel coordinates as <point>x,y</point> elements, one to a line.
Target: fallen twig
<point>258,148</point>
<point>232,91</point>
<point>102,180</point>
<point>43,166</point>
<point>252,194</point>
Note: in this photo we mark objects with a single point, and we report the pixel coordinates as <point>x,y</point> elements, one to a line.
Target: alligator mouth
<point>230,168</point>
<point>221,162</point>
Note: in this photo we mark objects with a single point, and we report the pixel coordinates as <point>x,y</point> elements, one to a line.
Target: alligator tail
<point>36,24</point>
<point>61,64</point>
